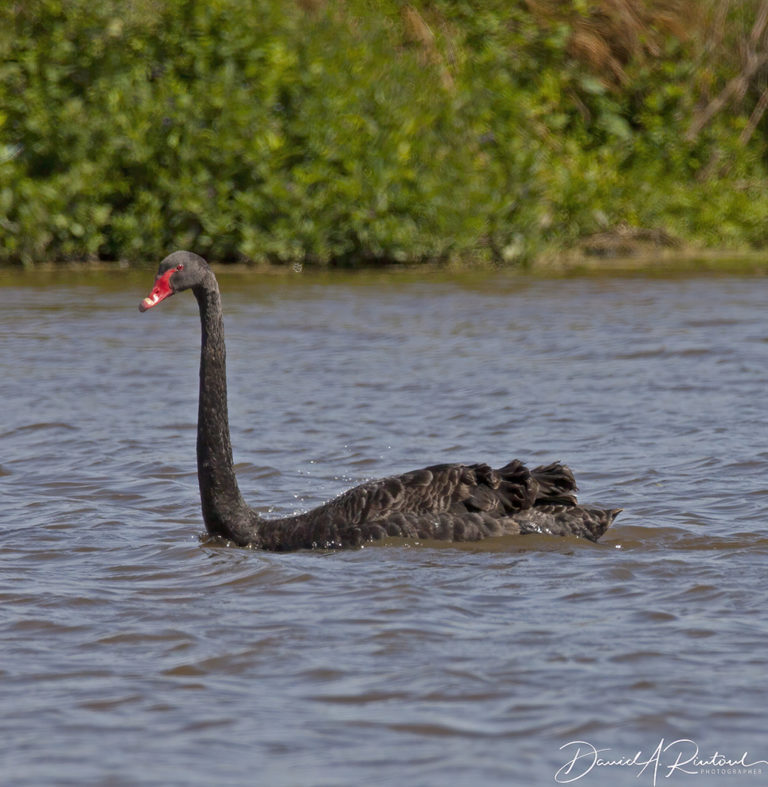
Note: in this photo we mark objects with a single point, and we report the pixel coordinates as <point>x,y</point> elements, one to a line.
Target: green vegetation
<point>354,132</point>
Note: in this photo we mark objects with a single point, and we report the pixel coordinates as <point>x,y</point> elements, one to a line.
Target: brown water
<point>133,654</point>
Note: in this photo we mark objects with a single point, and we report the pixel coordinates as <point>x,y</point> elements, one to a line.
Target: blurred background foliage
<point>354,132</point>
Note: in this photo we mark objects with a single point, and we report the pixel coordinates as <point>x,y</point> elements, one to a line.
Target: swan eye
<point>180,266</point>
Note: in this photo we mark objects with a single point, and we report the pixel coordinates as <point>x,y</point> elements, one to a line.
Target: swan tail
<point>597,520</point>
<point>557,519</point>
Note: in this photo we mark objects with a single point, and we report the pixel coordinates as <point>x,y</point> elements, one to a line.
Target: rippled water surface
<point>132,653</point>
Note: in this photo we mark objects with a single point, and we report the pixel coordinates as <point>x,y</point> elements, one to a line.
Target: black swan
<point>451,502</point>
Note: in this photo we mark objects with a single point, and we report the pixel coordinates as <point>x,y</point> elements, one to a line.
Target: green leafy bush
<point>349,133</point>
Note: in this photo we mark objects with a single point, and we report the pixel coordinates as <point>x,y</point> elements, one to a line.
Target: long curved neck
<point>224,510</point>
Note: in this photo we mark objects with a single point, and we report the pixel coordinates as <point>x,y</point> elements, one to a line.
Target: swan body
<point>451,502</point>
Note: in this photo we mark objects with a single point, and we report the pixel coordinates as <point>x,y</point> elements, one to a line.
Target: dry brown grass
<point>613,33</point>
<point>728,37</point>
<point>418,32</point>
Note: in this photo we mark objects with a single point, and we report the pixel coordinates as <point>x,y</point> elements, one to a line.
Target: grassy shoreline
<point>641,261</point>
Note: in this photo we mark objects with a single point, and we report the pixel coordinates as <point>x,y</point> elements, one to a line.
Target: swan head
<point>178,271</point>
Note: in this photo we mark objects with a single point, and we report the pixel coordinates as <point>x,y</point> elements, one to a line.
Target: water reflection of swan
<point>451,502</point>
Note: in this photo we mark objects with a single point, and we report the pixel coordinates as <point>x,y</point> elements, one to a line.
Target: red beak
<point>160,291</point>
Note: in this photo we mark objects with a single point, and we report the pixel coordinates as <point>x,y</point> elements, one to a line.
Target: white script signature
<point>678,756</point>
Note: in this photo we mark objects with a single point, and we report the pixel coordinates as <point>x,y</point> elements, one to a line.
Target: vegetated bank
<point>351,133</point>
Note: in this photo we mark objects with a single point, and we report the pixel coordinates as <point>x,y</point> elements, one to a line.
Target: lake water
<point>132,653</point>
